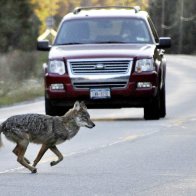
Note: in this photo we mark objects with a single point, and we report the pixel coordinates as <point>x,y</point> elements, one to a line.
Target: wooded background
<point>21,22</point>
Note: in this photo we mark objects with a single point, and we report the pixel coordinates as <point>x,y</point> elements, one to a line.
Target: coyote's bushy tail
<point>1,143</point>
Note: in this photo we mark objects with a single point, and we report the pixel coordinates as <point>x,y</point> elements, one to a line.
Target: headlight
<point>143,65</point>
<point>56,66</point>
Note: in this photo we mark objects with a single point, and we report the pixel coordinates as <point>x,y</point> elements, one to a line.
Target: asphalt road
<point>123,155</point>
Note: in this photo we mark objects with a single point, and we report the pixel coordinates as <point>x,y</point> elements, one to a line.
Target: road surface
<point>124,155</point>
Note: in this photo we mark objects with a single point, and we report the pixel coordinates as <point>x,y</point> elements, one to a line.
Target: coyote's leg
<point>57,153</point>
<point>22,146</point>
<point>42,151</point>
<point>15,151</point>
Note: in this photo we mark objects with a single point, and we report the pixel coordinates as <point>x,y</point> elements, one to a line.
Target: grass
<point>17,98</point>
<point>21,94</point>
<point>21,76</point>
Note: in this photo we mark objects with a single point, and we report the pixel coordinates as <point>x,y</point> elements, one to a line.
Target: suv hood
<point>102,50</point>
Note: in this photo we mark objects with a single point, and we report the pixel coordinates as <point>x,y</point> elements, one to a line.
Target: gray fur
<point>36,128</point>
<point>46,130</point>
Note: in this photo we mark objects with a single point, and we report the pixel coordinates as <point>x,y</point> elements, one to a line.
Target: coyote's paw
<point>33,171</point>
<point>53,163</point>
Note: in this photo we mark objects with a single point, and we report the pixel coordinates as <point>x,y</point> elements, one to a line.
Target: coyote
<point>46,130</point>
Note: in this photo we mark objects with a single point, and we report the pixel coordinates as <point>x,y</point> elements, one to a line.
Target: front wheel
<point>162,103</point>
<point>54,110</point>
<point>152,110</point>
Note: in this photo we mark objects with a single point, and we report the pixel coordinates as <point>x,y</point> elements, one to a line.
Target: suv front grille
<point>91,73</point>
<point>100,67</point>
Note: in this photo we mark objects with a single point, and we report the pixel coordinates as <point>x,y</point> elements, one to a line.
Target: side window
<point>155,34</point>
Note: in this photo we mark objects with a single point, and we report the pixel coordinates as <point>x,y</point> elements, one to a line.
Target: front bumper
<point>131,96</point>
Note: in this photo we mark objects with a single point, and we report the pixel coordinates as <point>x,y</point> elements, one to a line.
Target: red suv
<point>109,57</point>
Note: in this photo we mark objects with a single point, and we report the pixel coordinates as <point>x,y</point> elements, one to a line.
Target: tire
<point>152,110</point>
<point>54,110</point>
<point>162,103</point>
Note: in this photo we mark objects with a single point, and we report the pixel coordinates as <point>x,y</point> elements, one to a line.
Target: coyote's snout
<point>46,130</point>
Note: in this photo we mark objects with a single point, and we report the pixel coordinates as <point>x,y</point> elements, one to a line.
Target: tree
<point>177,20</point>
<point>44,9</point>
<point>19,25</point>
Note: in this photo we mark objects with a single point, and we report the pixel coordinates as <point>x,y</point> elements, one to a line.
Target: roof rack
<point>78,9</point>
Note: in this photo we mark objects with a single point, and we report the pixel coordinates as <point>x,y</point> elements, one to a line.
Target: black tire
<point>162,103</point>
<point>152,110</point>
<point>54,110</point>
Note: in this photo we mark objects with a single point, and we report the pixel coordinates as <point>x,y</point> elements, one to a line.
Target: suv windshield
<point>103,30</point>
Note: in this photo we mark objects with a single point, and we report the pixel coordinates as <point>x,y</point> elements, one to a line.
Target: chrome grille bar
<point>100,67</point>
<point>85,85</point>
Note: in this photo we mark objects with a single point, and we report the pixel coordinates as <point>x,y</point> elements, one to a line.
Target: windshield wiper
<point>96,42</point>
<point>110,42</point>
<point>70,43</point>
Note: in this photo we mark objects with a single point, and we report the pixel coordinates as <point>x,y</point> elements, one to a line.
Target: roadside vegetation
<point>21,76</point>
<point>23,21</point>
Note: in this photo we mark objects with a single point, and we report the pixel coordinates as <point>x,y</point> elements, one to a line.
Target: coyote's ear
<point>77,106</point>
<point>82,104</point>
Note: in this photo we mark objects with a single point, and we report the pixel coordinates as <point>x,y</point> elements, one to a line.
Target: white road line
<point>11,170</point>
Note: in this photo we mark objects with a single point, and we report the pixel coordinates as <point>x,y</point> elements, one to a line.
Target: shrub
<point>20,76</point>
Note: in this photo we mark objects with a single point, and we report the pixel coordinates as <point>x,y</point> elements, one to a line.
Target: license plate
<point>100,93</point>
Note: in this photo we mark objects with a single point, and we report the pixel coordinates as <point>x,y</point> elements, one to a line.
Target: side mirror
<point>164,42</point>
<point>43,45</point>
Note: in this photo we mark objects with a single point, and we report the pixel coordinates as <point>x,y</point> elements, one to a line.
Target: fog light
<point>144,85</point>
<point>57,86</point>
